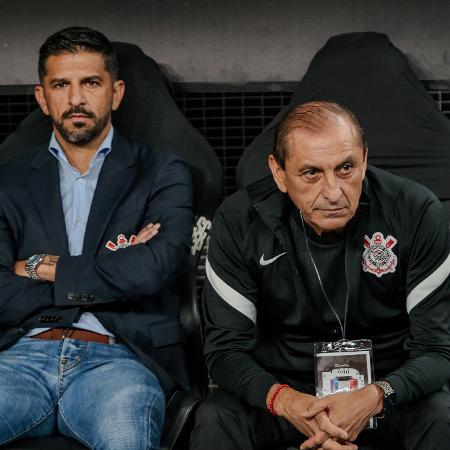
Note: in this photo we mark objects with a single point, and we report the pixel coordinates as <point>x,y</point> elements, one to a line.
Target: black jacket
<point>261,322</point>
<point>129,290</point>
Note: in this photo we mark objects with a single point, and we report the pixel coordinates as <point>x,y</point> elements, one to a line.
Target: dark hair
<point>74,39</point>
<point>314,117</point>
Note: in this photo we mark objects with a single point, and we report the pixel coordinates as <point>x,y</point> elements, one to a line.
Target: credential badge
<point>378,257</point>
<point>122,242</point>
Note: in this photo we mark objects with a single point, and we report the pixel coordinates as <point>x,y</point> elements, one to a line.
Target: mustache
<point>77,110</point>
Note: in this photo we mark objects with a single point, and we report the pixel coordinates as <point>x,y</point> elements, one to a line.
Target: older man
<point>92,230</point>
<point>331,250</point>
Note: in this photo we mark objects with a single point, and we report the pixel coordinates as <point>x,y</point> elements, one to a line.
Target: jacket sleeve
<point>20,297</point>
<point>428,306</point>
<point>142,269</point>
<point>230,310</point>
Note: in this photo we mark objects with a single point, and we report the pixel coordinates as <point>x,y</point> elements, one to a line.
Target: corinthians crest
<point>378,257</point>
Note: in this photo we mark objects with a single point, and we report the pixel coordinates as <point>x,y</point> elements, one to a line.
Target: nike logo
<point>266,262</point>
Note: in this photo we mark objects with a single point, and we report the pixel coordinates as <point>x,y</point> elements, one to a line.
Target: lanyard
<point>342,326</point>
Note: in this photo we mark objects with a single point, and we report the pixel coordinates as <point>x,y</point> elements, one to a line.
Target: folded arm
<point>129,273</point>
<point>47,269</point>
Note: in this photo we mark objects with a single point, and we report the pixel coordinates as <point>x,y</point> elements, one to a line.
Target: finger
<point>330,428</point>
<point>314,441</point>
<point>331,444</point>
<point>147,233</point>
<point>142,231</point>
<point>145,237</point>
<point>152,225</point>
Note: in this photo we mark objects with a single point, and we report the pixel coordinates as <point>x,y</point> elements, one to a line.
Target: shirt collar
<point>105,147</point>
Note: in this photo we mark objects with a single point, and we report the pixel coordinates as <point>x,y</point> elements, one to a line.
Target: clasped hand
<point>333,422</point>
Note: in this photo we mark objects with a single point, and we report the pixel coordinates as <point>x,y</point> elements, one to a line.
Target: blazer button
<point>91,297</point>
<point>71,296</point>
<point>59,319</point>
<point>84,297</point>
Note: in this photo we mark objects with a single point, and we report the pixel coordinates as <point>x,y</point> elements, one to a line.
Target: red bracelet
<point>274,396</point>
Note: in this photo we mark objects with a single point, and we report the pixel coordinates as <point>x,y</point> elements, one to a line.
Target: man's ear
<point>118,92</point>
<point>279,175</point>
<point>40,98</point>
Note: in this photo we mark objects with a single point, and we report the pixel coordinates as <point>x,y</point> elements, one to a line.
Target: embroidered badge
<point>122,242</point>
<point>378,257</point>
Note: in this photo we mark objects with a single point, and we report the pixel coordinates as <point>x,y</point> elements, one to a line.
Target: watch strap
<point>389,397</point>
<point>33,262</point>
<point>387,388</point>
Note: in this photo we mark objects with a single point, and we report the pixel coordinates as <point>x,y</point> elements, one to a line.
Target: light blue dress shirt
<point>77,192</point>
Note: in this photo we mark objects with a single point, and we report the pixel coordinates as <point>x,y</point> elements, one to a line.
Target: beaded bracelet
<point>274,396</point>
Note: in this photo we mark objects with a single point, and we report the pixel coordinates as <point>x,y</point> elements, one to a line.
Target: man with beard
<point>92,229</point>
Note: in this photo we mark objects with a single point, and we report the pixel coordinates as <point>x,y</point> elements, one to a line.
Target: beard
<point>81,134</point>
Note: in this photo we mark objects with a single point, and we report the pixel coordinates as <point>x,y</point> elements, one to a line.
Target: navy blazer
<point>130,290</point>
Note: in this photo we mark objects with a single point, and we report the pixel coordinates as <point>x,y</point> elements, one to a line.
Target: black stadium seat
<point>406,133</point>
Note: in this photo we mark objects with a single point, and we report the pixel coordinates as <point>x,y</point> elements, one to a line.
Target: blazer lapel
<point>118,172</point>
<point>45,192</point>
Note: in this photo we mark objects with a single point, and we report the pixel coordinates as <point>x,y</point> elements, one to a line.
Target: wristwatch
<point>389,398</point>
<point>32,264</point>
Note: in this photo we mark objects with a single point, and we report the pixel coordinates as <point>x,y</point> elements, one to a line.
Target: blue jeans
<point>99,394</point>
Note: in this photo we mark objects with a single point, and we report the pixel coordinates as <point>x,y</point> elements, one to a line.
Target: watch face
<point>33,259</point>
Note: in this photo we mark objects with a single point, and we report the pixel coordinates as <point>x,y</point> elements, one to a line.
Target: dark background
<point>233,41</point>
<point>234,63</point>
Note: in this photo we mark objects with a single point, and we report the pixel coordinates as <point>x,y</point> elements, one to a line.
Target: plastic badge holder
<point>342,366</point>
